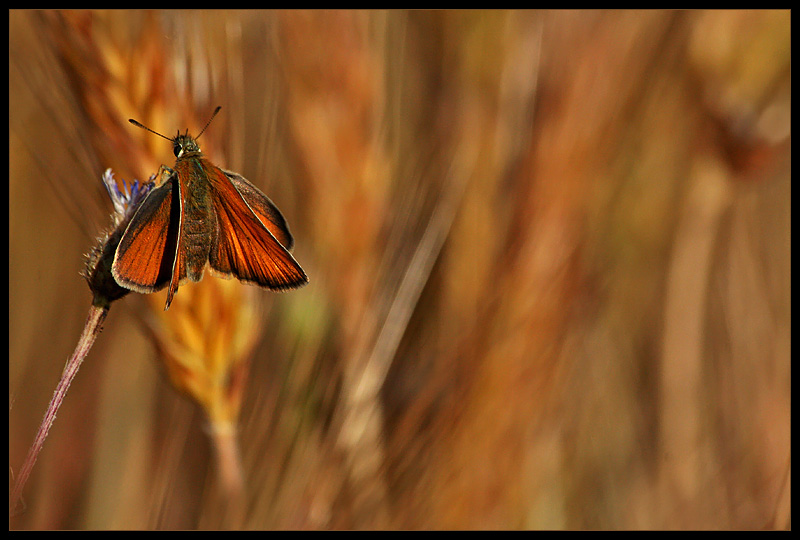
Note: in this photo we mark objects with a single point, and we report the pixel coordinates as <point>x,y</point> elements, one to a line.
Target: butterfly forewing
<point>263,208</point>
<point>144,257</point>
<point>244,247</point>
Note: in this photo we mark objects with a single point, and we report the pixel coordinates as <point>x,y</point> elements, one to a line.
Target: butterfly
<point>201,214</point>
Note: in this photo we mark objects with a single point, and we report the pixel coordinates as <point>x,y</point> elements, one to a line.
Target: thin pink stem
<point>92,328</point>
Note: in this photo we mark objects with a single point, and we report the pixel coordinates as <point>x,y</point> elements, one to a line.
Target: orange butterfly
<point>203,214</point>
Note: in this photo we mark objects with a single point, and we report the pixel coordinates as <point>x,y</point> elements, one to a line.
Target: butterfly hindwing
<point>244,246</point>
<point>179,261</point>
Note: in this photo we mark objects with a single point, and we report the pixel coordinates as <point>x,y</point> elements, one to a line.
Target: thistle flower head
<point>97,271</point>
<point>127,199</point>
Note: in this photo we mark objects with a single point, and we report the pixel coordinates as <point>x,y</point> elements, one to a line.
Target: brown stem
<point>94,323</point>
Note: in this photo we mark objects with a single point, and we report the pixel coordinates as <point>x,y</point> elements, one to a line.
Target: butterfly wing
<point>146,253</point>
<point>179,261</point>
<point>244,246</point>
<point>263,208</point>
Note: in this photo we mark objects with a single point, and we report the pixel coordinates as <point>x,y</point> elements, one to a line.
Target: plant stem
<point>229,464</point>
<point>94,323</point>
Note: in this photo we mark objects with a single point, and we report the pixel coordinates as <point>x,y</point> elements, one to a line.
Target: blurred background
<point>549,262</point>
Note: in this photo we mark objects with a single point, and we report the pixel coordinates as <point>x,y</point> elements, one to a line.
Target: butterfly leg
<point>164,173</point>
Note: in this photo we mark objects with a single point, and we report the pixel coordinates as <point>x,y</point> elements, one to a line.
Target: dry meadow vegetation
<point>549,262</point>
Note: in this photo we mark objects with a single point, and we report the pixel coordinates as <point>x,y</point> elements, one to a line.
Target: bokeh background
<point>549,255</point>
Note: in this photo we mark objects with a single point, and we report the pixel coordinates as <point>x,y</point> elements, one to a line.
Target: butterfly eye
<point>176,149</point>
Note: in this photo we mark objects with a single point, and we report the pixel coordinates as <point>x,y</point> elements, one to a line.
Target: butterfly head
<point>184,144</point>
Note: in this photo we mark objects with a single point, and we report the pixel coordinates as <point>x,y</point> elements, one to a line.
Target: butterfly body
<point>203,215</point>
<point>198,220</point>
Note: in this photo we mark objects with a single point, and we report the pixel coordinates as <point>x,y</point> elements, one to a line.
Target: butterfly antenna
<point>137,124</point>
<point>209,121</point>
